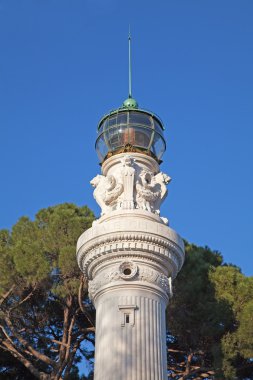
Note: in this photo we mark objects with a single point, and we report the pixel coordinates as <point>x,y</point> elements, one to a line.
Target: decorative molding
<point>169,261</point>
<point>128,240</point>
<point>142,274</point>
<point>149,247</point>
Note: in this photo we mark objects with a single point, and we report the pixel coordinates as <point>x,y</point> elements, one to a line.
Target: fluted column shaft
<point>130,336</point>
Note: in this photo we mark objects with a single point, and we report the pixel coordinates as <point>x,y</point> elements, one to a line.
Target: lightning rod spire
<point>129,66</point>
<point>130,102</point>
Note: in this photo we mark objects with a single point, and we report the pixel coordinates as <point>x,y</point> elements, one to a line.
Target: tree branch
<point>24,343</point>
<point>72,355</point>
<point>63,363</point>
<point>70,335</point>
<point>6,335</point>
<point>8,347</point>
<point>195,371</point>
<point>66,314</point>
<point>25,299</point>
<point>6,295</point>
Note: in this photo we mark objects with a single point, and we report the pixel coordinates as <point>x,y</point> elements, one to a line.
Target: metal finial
<point>129,65</point>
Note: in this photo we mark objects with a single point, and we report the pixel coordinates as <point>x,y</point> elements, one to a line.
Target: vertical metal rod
<point>129,65</point>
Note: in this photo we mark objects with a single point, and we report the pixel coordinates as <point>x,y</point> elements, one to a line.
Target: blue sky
<point>63,65</point>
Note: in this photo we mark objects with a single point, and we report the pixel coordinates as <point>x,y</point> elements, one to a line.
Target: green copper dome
<point>130,103</point>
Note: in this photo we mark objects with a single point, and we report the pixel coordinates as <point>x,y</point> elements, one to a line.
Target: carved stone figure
<point>146,191</point>
<point>151,190</point>
<point>161,179</point>
<point>128,174</point>
<point>107,191</point>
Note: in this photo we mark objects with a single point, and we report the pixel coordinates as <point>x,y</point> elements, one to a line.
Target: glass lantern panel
<point>100,128</point>
<point>158,127</point>
<point>104,125</point>
<point>122,118</point>
<point>126,135</point>
<point>115,137</point>
<point>112,120</point>
<point>142,137</point>
<point>140,118</point>
<point>101,147</point>
<point>158,146</point>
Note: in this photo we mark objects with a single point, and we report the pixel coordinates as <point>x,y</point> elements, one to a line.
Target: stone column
<point>130,257</point>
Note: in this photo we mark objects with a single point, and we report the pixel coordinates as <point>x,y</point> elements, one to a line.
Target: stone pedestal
<point>130,257</point>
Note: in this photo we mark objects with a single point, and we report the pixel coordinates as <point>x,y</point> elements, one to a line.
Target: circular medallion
<point>128,270</point>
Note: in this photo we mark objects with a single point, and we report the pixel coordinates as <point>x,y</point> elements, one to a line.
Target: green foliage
<point>40,314</point>
<point>245,331</point>
<point>37,249</point>
<point>210,317</point>
<point>233,287</point>
<point>7,276</point>
<point>195,302</point>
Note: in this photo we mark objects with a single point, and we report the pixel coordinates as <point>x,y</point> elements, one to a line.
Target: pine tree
<point>45,318</point>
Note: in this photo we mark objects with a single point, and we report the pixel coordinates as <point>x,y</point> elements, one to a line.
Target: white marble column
<point>130,339</point>
<point>130,257</point>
